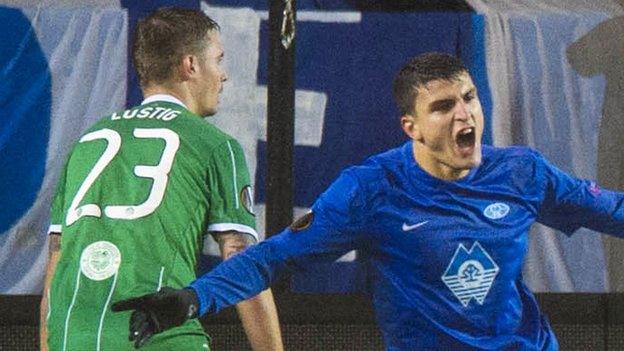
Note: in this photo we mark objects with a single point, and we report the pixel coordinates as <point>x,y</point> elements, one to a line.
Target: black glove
<point>157,312</point>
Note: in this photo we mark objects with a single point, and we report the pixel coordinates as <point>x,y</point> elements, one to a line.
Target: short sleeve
<point>231,194</point>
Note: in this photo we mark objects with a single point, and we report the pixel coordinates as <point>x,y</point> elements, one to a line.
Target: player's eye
<point>443,106</point>
<point>470,95</point>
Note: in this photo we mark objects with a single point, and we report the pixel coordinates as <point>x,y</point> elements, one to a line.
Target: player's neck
<point>177,91</point>
<point>436,167</point>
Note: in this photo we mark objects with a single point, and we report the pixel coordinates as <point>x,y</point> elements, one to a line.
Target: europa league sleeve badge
<point>303,222</point>
<point>246,199</point>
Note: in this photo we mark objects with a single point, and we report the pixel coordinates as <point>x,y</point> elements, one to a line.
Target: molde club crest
<point>470,274</point>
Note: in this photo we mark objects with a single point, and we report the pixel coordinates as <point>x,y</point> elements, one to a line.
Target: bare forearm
<point>257,314</point>
<point>259,317</point>
<point>53,256</point>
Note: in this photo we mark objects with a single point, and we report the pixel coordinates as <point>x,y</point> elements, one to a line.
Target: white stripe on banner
<point>322,16</point>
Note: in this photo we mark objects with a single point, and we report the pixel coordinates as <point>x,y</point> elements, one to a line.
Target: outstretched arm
<point>238,278</point>
<point>168,308</point>
<point>53,256</point>
<point>333,228</point>
<point>258,314</point>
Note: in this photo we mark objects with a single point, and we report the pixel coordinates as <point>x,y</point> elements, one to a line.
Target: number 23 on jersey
<point>159,173</point>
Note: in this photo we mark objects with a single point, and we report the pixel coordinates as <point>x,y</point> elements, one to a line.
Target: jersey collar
<point>163,97</point>
<point>424,177</point>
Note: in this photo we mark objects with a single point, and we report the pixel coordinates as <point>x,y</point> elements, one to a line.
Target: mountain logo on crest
<point>470,274</point>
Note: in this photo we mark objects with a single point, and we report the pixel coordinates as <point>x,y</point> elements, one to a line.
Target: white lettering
<point>145,112</point>
<point>165,112</point>
<point>171,115</point>
<point>128,114</point>
<point>158,110</point>
<point>161,113</point>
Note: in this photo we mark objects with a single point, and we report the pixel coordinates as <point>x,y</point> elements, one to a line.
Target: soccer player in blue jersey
<point>443,219</point>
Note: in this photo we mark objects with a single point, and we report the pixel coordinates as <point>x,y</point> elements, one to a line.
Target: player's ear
<point>187,67</point>
<point>410,126</point>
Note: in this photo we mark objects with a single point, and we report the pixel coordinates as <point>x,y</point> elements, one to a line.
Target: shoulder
<point>202,127</point>
<point>224,143</point>
<point>510,157</point>
<point>216,134</point>
<point>358,188</point>
<point>378,171</point>
<point>510,153</point>
<point>201,132</point>
<point>377,166</point>
<point>518,166</point>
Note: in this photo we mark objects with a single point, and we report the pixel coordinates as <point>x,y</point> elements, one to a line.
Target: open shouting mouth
<point>465,140</point>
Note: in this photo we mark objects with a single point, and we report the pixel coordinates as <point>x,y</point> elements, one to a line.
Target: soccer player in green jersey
<point>140,190</point>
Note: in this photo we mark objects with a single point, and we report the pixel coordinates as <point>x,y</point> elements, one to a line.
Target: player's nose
<point>462,112</point>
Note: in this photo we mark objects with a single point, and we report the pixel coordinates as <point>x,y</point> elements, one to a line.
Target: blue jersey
<point>446,255</point>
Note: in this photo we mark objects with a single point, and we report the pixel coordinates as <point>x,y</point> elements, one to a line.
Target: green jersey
<point>138,192</point>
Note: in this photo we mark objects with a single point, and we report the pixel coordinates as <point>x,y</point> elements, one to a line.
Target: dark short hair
<point>419,71</point>
<point>163,37</point>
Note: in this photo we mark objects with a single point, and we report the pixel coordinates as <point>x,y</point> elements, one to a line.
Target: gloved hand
<point>157,312</point>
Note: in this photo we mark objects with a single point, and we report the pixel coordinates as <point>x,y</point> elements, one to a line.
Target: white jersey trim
<point>55,228</point>
<point>49,306</point>
<point>224,227</point>
<point>163,97</point>
<point>69,310</point>
<point>160,278</point>
<point>234,175</point>
<point>108,299</point>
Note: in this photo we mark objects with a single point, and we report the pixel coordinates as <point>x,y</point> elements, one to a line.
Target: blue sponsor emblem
<point>470,274</point>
